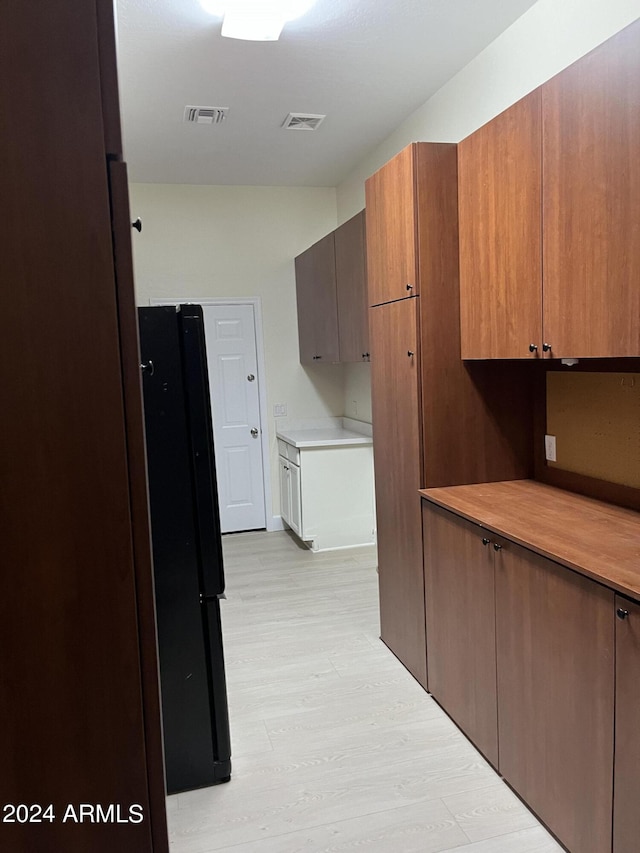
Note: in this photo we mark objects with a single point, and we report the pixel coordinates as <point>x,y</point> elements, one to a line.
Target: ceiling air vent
<point>205,115</point>
<point>302,121</point>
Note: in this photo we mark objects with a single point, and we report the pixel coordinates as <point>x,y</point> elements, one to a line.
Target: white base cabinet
<point>327,494</point>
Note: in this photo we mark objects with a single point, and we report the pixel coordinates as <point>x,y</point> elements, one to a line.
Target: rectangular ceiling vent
<point>205,115</point>
<point>302,121</point>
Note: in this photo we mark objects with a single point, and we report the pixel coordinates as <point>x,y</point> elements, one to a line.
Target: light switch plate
<point>550,448</point>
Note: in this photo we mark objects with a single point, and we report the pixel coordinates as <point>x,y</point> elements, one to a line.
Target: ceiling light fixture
<point>255,20</point>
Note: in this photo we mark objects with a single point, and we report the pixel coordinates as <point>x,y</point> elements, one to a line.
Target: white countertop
<point>322,437</point>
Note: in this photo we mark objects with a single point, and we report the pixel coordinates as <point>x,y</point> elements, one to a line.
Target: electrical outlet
<point>280,410</point>
<point>550,448</point>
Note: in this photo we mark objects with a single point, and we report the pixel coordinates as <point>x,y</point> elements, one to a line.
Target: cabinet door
<point>295,497</point>
<point>460,611</point>
<point>591,153</point>
<point>626,814</point>
<point>79,660</point>
<point>317,303</point>
<point>285,490</point>
<point>554,637</point>
<point>353,325</point>
<point>499,179</point>
<point>392,271</point>
<point>397,464</point>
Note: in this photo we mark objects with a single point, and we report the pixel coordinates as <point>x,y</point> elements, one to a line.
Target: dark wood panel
<point>317,303</point>
<point>135,438</point>
<point>476,417</point>
<point>351,282</point>
<point>591,153</point>
<point>626,815</point>
<point>109,79</point>
<point>460,615</point>
<point>500,235</point>
<point>71,704</point>
<point>391,230</point>
<point>594,538</point>
<point>396,449</point>
<point>555,637</point>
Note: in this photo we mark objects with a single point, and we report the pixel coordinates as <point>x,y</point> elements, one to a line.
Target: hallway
<point>335,746</point>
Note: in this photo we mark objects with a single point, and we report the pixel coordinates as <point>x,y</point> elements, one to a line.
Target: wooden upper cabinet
<point>317,303</point>
<point>591,163</point>
<point>499,174</point>
<point>351,283</point>
<point>331,291</point>
<point>392,263</point>
<point>549,216</point>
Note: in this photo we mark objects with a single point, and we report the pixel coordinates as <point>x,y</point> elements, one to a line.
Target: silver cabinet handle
<point>254,432</point>
<point>250,377</point>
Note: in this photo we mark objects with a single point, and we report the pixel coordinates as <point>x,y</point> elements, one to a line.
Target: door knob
<point>622,614</point>
<point>410,353</point>
<point>546,347</point>
<point>147,368</point>
<point>254,432</point>
<point>485,541</point>
<point>497,547</point>
<point>532,347</point>
<point>250,377</point>
<point>409,287</point>
<point>137,225</point>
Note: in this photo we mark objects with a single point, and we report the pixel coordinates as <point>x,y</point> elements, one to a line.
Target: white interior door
<point>235,401</point>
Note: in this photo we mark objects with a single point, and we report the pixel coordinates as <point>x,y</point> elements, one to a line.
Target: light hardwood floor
<point>335,746</point>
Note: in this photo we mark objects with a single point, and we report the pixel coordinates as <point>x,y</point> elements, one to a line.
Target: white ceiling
<point>367,64</point>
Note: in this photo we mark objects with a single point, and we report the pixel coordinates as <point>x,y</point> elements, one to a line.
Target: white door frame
<point>273,523</point>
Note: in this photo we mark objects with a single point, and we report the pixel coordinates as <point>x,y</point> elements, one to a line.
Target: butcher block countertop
<point>597,539</point>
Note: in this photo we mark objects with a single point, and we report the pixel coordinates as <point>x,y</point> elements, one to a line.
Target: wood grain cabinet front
<point>331,297</point>
<point>626,814</point>
<point>395,381</point>
<point>555,666</point>
<point>317,303</point>
<point>499,179</point>
<point>351,287</point>
<point>549,212</point>
<point>392,228</point>
<point>591,202</point>
<point>460,609</point>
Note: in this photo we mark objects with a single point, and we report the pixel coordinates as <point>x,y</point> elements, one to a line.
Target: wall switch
<point>550,448</point>
<point>280,410</point>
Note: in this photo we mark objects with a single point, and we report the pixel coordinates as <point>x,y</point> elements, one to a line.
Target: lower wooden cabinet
<point>555,666</point>
<point>626,787</point>
<point>538,666</point>
<point>460,608</point>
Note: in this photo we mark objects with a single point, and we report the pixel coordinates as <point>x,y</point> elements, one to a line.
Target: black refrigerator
<point>187,548</point>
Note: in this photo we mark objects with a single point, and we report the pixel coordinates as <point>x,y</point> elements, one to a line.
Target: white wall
<point>203,242</point>
<point>547,38</point>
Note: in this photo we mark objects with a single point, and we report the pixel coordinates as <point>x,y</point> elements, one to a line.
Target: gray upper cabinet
<point>331,297</point>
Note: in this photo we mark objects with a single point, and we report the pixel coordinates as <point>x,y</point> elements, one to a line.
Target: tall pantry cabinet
<point>79,701</point>
<point>394,218</point>
<point>436,421</point>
